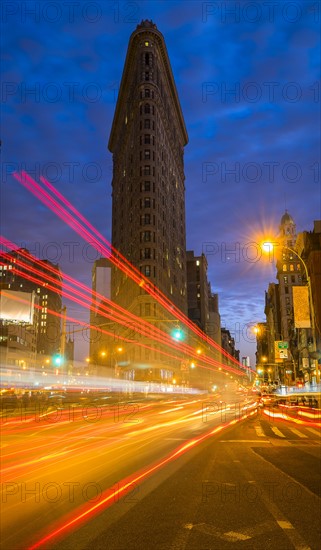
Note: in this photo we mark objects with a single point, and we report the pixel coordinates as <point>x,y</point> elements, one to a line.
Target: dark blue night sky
<point>247,75</point>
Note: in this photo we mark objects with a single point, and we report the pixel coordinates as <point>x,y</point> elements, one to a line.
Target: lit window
<point>197,262</point>
<point>146,43</point>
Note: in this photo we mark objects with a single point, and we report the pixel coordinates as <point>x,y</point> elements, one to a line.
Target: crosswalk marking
<point>299,434</point>
<point>259,431</point>
<point>277,431</point>
<point>315,432</point>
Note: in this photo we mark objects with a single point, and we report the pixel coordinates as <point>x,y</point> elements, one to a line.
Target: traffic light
<point>178,334</point>
<point>57,360</point>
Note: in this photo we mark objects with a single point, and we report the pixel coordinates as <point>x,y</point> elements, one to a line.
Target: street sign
<point>281,350</point>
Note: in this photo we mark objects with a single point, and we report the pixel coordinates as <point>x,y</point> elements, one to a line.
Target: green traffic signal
<point>57,360</point>
<point>177,334</point>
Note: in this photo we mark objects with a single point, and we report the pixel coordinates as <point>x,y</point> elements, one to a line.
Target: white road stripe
<point>259,431</point>
<point>298,433</point>
<point>315,432</point>
<point>277,431</point>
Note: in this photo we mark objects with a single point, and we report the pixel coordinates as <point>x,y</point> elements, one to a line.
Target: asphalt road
<point>189,474</point>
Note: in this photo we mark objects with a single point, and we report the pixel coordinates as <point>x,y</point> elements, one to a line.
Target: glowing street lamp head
<point>267,247</point>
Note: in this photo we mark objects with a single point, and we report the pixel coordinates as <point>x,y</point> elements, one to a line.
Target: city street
<point>173,474</point>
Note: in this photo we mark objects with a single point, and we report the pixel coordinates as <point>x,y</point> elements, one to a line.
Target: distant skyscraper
<point>147,140</point>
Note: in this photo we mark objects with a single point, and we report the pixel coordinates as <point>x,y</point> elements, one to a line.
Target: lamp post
<point>268,247</point>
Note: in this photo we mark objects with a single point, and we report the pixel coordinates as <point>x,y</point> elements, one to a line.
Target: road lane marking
<point>315,432</point>
<point>298,433</point>
<point>244,441</point>
<point>259,431</point>
<point>285,524</point>
<point>277,431</point>
<point>233,536</point>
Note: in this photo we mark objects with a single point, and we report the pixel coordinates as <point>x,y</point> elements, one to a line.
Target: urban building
<point>18,338</point>
<point>308,246</point>
<point>203,307</point>
<point>147,141</point>
<point>213,327</point>
<point>48,303</point>
<point>292,346</point>
<point>197,290</point>
<point>228,343</point>
<point>101,345</point>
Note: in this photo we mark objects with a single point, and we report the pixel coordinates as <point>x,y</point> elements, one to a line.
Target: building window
<point>147,109</point>
<point>146,270</point>
<point>147,139</point>
<point>147,154</point>
<point>291,267</point>
<point>145,186</point>
<point>147,123</point>
<point>146,170</point>
<point>146,236</point>
<point>285,279</point>
<point>147,92</point>
<point>147,202</point>
<point>284,267</point>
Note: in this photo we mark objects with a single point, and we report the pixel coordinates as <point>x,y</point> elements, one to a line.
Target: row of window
<point>147,219</point>
<point>147,109</point>
<point>292,279</point>
<point>147,139</point>
<point>291,267</point>
<point>147,170</point>
<point>147,154</point>
<point>147,93</point>
<point>147,124</point>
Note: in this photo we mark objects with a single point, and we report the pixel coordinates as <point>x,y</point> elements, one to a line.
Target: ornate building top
<point>286,218</point>
<point>146,24</point>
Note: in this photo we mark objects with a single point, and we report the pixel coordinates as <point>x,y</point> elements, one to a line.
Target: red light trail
<point>121,316</point>
<point>109,498</point>
<point>90,234</point>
